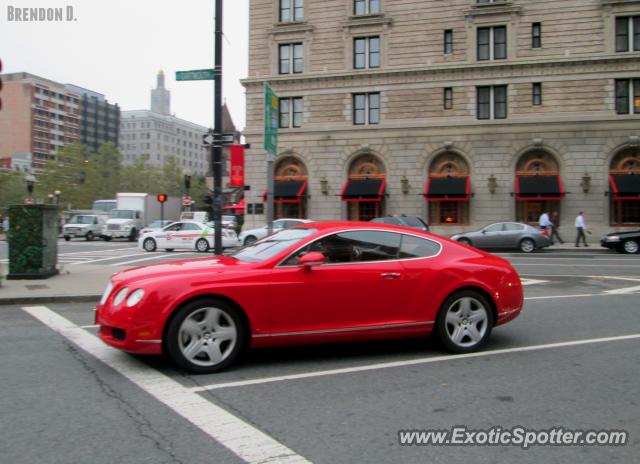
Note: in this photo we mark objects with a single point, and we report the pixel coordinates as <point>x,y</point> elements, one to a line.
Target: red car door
<point>363,289</point>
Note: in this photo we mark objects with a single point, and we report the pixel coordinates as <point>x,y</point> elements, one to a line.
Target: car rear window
<point>413,222</point>
<point>414,247</point>
<point>272,245</point>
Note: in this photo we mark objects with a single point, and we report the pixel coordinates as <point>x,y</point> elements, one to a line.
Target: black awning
<point>539,188</point>
<point>363,190</point>
<point>287,191</point>
<point>626,187</point>
<point>447,188</point>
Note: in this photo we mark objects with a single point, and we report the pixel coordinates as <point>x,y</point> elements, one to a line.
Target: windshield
<point>82,220</point>
<point>157,224</point>
<point>414,222</point>
<point>272,245</point>
<point>104,205</point>
<point>121,214</point>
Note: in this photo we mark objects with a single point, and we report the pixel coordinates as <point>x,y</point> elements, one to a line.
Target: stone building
<point>462,112</point>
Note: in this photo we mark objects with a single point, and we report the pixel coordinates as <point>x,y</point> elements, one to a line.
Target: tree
<point>139,177</point>
<point>13,190</point>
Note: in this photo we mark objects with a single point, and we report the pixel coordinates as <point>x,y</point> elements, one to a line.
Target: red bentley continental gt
<point>318,282</point>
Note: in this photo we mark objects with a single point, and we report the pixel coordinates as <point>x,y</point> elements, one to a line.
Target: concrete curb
<point>37,300</point>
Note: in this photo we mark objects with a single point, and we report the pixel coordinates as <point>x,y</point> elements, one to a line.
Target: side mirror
<point>483,231</point>
<point>311,259</point>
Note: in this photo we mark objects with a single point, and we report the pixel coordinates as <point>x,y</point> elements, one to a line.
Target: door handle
<point>390,275</point>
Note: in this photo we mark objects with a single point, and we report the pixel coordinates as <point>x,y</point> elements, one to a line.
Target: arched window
<point>290,185</point>
<point>538,186</point>
<point>624,178</point>
<point>364,189</point>
<point>447,190</point>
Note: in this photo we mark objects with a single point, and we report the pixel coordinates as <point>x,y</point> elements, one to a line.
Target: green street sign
<point>198,75</point>
<point>271,117</point>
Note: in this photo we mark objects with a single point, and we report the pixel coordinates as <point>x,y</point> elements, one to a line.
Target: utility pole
<point>216,150</point>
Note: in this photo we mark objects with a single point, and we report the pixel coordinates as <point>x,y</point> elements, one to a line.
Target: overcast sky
<point>117,47</point>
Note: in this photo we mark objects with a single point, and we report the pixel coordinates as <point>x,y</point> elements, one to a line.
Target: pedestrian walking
<point>555,225</point>
<point>580,228</point>
<point>545,223</point>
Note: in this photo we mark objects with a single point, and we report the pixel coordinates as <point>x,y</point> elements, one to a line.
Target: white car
<point>154,227</point>
<point>186,235</point>
<point>249,236</point>
<point>88,226</point>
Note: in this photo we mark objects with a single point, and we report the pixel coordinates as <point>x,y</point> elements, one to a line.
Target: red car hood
<point>213,265</point>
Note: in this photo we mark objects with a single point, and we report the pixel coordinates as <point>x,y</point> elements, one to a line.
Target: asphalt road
<point>568,361</point>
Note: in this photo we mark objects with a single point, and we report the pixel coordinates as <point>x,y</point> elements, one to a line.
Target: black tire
<point>149,244</point>
<point>527,245</point>
<point>464,241</point>
<point>133,235</point>
<point>169,249</point>
<point>67,238</point>
<point>249,240</point>
<point>458,336</point>
<point>202,245</point>
<point>209,317</point>
<point>106,238</point>
<point>89,236</point>
<point>630,246</point>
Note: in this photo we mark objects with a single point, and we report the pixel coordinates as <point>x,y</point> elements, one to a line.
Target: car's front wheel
<point>464,322</point>
<point>205,336</point>
<point>67,238</point>
<point>149,244</point>
<point>527,245</point>
<point>202,245</point>
<point>89,236</point>
<point>630,246</point>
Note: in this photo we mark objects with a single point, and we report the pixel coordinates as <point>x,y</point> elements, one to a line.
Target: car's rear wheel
<point>149,244</point>
<point>67,238</point>
<point>630,246</point>
<point>465,241</point>
<point>106,238</point>
<point>527,245</point>
<point>89,236</point>
<point>464,322</point>
<point>205,336</point>
<point>202,245</point>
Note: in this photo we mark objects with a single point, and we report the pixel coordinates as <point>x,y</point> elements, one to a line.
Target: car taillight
<point>544,232</point>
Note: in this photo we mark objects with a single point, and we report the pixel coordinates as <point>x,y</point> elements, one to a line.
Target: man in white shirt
<point>545,223</point>
<point>581,227</point>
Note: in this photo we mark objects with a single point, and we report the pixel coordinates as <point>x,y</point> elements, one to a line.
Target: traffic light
<point>162,198</point>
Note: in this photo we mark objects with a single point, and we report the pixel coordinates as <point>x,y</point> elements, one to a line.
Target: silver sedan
<point>524,237</point>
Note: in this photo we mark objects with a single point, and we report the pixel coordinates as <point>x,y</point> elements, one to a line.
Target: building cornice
<point>483,9</point>
<point>457,71</point>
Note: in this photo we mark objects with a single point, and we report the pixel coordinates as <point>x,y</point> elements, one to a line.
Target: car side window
<point>190,226</point>
<point>512,227</point>
<point>368,245</point>
<point>494,228</point>
<point>278,224</point>
<point>393,221</point>
<point>414,247</point>
<point>173,228</point>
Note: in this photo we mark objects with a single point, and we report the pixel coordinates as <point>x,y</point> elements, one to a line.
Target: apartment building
<point>462,112</point>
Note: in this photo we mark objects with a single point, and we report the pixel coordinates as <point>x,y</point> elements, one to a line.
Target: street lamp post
<point>57,194</point>
<point>51,198</point>
<point>30,181</point>
<point>187,184</point>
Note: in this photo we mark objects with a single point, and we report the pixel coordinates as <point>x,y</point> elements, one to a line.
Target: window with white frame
<point>290,59</point>
<point>290,112</point>
<point>291,10</point>
<point>361,7</point>
<point>492,102</point>
<point>492,43</point>
<point>366,52</point>
<point>628,34</point>
<point>627,96</point>
<point>366,108</point>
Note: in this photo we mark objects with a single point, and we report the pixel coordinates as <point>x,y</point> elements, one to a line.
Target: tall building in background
<point>99,119</point>
<point>464,112</point>
<point>39,116</point>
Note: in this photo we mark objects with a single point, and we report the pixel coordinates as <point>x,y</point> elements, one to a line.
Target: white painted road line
<point>249,443</point>
<point>412,362</point>
<point>533,281</point>
<point>620,291</point>
<point>155,257</point>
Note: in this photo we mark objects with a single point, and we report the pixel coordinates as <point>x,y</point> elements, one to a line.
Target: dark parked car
<point>406,221</point>
<point>506,235</point>
<point>622,242</point>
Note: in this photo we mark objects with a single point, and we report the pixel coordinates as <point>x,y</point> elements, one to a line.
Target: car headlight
<point>613,238</point>
<point>106,293</point>
<point>120,296</point>
<point>135,297</point>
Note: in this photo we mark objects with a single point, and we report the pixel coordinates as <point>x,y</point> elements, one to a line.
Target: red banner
<point>237,166</point>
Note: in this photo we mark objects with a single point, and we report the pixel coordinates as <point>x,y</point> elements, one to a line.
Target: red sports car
<point>318,282</point>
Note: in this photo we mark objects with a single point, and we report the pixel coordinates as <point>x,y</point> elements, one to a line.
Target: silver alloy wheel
<point>149,244</point>
<point>466,322</point>
<point>207,336</point>
<point>527,245</point>
<point>249,240</point>
<point>202,245</point>
<point>630,246</point>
